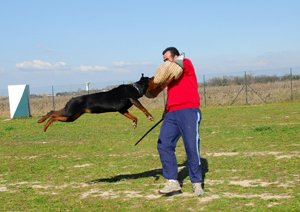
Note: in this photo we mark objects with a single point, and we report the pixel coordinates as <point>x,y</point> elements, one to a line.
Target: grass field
<point>251,155</point>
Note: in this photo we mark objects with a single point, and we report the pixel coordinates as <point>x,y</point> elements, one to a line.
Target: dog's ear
<point>142,76</point>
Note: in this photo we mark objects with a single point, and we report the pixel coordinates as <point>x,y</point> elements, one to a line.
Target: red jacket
<point>183,92</point>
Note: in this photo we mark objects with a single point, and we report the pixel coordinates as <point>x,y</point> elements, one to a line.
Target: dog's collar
<point>138,88</point>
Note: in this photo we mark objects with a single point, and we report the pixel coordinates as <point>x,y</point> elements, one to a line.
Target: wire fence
<point>215,89</point>
<point>250,89</point>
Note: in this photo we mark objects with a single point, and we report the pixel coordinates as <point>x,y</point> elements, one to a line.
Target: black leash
<point>155,125</point>
<point>148,131</point>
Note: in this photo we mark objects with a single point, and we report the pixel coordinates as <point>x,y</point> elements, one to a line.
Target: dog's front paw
<point>150,118</point>
<point>134,124</point>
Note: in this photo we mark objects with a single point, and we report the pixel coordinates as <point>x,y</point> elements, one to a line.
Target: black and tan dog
<point>119,99</point>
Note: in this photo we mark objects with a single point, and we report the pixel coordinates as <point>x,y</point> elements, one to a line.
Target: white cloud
<point>40,65</point>
<point>96,68</point>
<point>121,64</point>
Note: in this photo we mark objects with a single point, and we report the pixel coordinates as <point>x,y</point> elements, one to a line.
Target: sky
<point>64,42</point>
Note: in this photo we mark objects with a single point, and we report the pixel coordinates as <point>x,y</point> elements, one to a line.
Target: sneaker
<point>197,188</point>
<point>171,187</point>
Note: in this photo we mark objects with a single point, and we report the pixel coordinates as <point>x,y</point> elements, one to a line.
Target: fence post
<point>246,87</point>
<point>291,77</point>
<point>53,103</point>
<point>87,87</point>
<point>204,89</point>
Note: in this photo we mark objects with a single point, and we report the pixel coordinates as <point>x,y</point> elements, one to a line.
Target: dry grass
<point>215,95</point>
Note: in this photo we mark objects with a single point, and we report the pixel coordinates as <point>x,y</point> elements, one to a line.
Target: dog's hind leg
<point>44,118</point>
<point>61,118</point>
<point>50,114</point>
<point>130,116</point>
<point>50,121</point>
<point>139,105</point>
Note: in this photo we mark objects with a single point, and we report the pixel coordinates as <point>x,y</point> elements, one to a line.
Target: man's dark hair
<point>173,51</point>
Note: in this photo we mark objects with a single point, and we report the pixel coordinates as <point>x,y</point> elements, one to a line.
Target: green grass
<point>252,155</point>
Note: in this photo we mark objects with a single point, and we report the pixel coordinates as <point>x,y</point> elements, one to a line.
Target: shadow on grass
<point>183,173</point>
<point>155,173</point>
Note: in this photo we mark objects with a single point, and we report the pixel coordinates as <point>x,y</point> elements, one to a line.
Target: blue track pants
<point>178,123</point>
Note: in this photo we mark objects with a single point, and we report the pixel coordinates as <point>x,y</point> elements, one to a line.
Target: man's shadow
<point>155,173</point>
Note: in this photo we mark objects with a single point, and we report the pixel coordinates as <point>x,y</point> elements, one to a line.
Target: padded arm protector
<point>167,72</point>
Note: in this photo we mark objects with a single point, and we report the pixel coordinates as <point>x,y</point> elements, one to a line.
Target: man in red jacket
<point>182,118</point>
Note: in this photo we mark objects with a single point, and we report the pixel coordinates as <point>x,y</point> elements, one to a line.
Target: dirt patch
<point>207,199</point>
<point>256,183</point>
<point>220,154</point>
<point>48,189</point>
<point>3,189</point>
<point>277,155</point>
<point>83,165</point>
<point>251,183</point>
<point>289,156</point>
<point>152,196</point>
<point>23,183</point>
<point>214,182</point>
<point>99,193</point>
<point>41,186</point>
<point>22,158</point>
<point>270,205</point>
<point>264,196</point>
<point>110,194</point>
<point>48,193</point>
